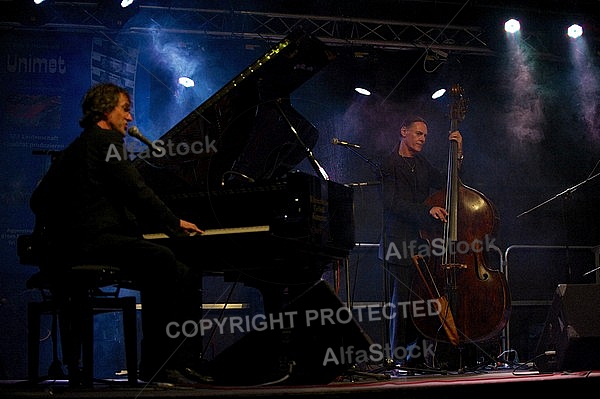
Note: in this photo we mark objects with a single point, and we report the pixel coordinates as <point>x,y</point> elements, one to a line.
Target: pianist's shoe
<point>197,375</point>
<point>183,377</point>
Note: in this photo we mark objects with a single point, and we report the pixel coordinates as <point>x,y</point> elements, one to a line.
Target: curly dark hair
<point>99,100</point>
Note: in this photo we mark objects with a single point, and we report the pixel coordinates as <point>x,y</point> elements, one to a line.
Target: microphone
<point>133,131</point>
<point>337,141</point>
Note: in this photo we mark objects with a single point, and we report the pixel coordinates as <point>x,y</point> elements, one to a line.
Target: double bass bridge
<point>448,266</point>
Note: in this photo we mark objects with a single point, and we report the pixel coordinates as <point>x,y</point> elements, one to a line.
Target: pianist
<point>89,207</point>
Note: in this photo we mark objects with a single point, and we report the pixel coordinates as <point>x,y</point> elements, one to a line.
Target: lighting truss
<point>337,31</point>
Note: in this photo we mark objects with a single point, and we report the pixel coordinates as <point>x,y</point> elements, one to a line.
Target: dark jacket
<point>404,195</point>
<point>92,188</point>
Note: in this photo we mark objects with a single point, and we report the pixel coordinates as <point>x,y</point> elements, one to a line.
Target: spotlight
<point>186,82</point>
<point>512,26</point>
<point>438,93</point>
<point>364,83</point>
<point>33,12</point>
<point>363,91</point>
<point>574,31</point>
<point>115,14</point>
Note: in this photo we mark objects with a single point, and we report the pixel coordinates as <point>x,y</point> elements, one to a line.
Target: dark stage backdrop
<point>523,145</point>
<point>43,77</point>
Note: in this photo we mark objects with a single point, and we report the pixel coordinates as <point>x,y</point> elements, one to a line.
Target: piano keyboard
<point>212,232</point>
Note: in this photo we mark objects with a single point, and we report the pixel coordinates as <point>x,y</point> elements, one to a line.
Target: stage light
<point>512,26</point>
<point>115,14</point>
<point>438,93</point>
<point>364,82</point>
<point>33,12</point>
<point>186,82</point>
<point>574,31</point>
<point>363,91</point>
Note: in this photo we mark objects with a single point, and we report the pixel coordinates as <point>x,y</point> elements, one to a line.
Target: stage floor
<point>362,384</point>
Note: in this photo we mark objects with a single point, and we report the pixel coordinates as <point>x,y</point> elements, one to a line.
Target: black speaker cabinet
<point>307,352</point>
<point>570,340</point>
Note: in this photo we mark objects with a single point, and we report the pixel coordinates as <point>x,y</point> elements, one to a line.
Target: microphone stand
<point>367,160</point>
<point>386,363</point>
<point>361,184</point>
<point>568,191</point>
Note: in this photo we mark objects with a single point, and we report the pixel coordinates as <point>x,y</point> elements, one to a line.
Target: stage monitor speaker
<point>570,340</point>
<point>314,350</point>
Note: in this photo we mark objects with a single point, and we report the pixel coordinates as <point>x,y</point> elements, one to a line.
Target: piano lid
<point>248,130</point>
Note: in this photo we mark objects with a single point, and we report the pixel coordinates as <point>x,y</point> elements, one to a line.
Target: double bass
<point>472,300</point>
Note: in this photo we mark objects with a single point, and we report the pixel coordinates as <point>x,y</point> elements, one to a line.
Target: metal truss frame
<point>338,31</point>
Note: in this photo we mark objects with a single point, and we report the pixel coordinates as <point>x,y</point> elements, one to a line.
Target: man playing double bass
<point>408,180</point>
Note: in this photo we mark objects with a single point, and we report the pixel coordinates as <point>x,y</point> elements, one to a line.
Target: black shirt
<point>407,183</point>
<point>92,188</point>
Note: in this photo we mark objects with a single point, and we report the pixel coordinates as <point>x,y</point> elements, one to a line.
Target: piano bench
<point>73,298</point>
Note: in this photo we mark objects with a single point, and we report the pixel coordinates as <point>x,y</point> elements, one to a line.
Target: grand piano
<point>231,169</point>
<point>267,225</point>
